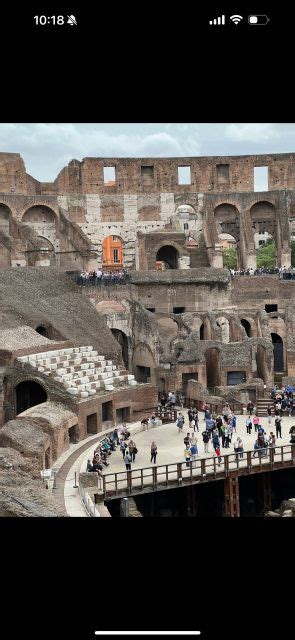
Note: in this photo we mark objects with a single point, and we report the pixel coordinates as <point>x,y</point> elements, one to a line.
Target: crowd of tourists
<point>106,446</point>
<point>219,431</point>
<point>283,401</point>
<point>258,271</point>
<point>103,277</point>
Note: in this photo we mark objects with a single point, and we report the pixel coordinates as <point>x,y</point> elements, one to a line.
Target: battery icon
<point>262,19</point>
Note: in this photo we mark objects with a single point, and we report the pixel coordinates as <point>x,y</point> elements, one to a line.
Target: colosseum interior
<point>181,323</point>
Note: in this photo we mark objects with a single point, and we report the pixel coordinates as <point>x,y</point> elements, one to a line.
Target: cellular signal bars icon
<point>216,21</point>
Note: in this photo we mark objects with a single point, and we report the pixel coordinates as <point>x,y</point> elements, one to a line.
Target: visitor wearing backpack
<point>127,460</point>
<point>194,451</point>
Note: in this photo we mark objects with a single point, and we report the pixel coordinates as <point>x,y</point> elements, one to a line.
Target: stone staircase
<point>199,255</point>
<point>262,404</point>
<point>80,370</point>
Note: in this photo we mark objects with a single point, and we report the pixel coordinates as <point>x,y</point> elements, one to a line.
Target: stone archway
<point>123,342</point>
<point>278,352</point>
<point>39,215</point>
<point>212,358</point>
<point>5,214</point>
<point>28,394</point>
<point>169,255</point>
<point>247,326</point>
<point>43,331</point>
<point>43,253</point>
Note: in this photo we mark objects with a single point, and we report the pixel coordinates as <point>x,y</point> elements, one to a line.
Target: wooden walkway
<point>177,474</point>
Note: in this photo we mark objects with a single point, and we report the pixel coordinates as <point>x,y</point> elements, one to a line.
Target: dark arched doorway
<point>169,255</point>
<point>247,327</point>
<point>278,352</point>
<point>28,394</point>
<point>43,331</point>
<point>212,357</point>
<point>123,342</point>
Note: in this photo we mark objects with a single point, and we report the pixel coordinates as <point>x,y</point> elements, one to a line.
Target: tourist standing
<point>272,440</point>
<point>154,451</point>
<point>196,419</point>
<point>180,422</point>
<point>227,437</point>
<point>256,421</point>
<point>234,423</point>
<point>206,438</point>
<point>127,460</point>
<point>132,450</point>
<point>194,450</point>
<point>240,447</point>
<point>217,451</point>
<point>187,455</point>
<point>215,441</point>
<point>123,447</point>
<point>278,425</point>
<point>249,425</point>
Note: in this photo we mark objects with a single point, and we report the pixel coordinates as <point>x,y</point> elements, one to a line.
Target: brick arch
<point>24,377</point>
<point>17,400</point>
<point>227,219</point>
<point>260,199</point>
<point>186,204</point>
<point>263,217</point>
<point>5,218</point>
<point>170,243</point>
<point>231,201</point>
<point>39,203</point>
<point>6,203</point>
<point>252,323</point>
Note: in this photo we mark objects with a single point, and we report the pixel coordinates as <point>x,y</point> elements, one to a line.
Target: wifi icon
<point>236,19</point>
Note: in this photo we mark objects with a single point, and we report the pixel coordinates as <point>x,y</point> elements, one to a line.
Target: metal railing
<point>203,469</point>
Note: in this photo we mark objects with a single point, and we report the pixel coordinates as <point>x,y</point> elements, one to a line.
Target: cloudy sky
<point>47,148</point>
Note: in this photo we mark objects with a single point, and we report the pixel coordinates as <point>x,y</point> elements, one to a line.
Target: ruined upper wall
<point>143,175</point>
<point>221,174</point>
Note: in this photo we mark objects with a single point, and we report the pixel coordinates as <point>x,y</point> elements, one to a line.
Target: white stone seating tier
<point>80,370</point>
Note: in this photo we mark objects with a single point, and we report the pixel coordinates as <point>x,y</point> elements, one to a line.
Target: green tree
<point>293,253</point>
<point>266,254</point>
<point>230,258</point>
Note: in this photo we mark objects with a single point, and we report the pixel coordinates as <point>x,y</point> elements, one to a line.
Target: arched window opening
<point>278,352</point>
<point>43,331</point>
<point>28,394</point>
<point>212,357</point>
<point>123,342</point>
<point>202,331</point>
<point>247,327</point>
<point>169,256</point>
